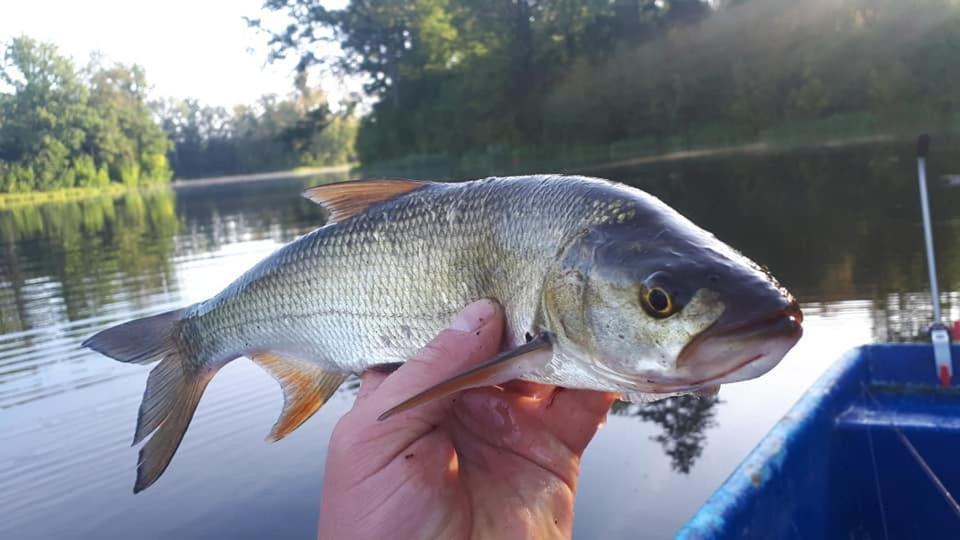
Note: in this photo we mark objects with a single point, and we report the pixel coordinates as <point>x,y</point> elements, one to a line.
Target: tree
<point>467,78</point>
<point>59,129</point>
<point>128,138</point>
<point>45,121</point>
<point>273,134</point>
<point>452,76</point>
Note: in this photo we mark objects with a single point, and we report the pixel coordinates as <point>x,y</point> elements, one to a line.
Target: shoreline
<point>30,198</point>
<point>299,172</point>
<point>760,147</point>
<point>600,160</point>
<point>12,200</point>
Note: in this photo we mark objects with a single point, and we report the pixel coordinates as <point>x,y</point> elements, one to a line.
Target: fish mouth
<point>732,351</point>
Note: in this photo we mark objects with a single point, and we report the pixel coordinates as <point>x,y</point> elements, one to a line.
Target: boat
<point>870,451</point>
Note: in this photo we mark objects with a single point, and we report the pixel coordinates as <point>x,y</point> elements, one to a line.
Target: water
<point>840,227</point>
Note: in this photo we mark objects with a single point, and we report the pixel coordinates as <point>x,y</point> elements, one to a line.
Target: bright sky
<point>189,48</point>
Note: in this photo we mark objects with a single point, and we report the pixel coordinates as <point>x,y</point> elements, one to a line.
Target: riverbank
<point>592,159</point>
<point>743,149</point>
<point>299,172</point>
<point>10,200</point>
<point>576,161</point>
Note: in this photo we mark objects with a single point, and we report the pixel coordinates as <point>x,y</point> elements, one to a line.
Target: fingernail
<point>474,316</point>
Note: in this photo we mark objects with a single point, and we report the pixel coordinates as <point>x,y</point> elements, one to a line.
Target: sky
<point>190,49</point>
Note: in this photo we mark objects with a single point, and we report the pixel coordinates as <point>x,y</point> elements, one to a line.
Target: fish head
<point>654,304</point>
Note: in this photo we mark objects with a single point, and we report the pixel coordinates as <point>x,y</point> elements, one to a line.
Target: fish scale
<point>375,288</point>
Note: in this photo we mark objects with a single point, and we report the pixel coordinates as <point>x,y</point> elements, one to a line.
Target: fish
<point>603,286</point>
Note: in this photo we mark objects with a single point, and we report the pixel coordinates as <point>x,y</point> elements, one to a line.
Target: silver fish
<point>604,287</point>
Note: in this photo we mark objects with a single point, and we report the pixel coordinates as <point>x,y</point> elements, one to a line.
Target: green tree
<point>60,129</point>
<point>45,120</point>
<point>128,139</point>
<point>480,78</point>
<point>453,76</point>
<point>272,134</point>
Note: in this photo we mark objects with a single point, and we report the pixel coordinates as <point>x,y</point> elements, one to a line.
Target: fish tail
<point>174,386</point>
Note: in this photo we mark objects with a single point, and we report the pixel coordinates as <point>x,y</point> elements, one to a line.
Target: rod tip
<point>923,145</point>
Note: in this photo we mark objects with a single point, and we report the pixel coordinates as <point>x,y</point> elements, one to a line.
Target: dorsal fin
<point>343,200</point>
<point>306,387</point>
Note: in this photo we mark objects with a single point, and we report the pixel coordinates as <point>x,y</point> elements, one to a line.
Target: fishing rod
<point>938,330</point>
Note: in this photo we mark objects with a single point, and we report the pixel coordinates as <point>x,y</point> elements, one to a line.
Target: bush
<point>62,129</point>
<point>86,171</point>
<point>155,168</point>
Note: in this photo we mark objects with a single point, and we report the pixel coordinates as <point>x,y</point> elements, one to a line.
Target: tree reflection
<point>84,253</point>
<point>683,421</point>
<point>906,316</point>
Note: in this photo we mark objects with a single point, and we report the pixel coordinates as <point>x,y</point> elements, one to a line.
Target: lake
<point>840,228</point>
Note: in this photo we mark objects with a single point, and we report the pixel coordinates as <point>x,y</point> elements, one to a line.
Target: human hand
<point>484,463</point>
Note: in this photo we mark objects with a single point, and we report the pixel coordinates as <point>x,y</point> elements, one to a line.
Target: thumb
<point>473,336</point>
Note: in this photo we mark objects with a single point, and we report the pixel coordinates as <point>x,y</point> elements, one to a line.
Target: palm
<point>499,465</point>
<point>486,463</point>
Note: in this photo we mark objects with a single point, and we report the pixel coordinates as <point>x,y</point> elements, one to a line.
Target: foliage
<point>774,70</point>
<point>273,134</point>
<point>60,128</point>
<point>473,77</point>
<point>64,128</point>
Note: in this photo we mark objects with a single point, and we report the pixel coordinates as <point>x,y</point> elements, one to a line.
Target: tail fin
<point>141,341</point>
<point>173,390</point>
<point>169,402</point>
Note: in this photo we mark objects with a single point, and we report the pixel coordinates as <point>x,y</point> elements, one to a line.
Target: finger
<point>473,336</point>
<point>575,415</point>
<point>529,389</point>
<point>370,380</point>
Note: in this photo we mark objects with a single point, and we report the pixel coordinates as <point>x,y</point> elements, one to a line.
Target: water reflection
<point>906,316</point>
<point>683,421</point>
<point>80,256</point>
<point>839,227</point>
<point>831,225</point>
<point>70,268</point>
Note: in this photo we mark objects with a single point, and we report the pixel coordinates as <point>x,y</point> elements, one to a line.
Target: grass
<point>320,169</point>
<point>10,200</point>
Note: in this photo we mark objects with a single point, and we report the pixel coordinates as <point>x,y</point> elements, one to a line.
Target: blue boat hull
<point>837,465</point>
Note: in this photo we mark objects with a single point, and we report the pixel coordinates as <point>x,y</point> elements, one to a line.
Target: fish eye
<point>657,302</point>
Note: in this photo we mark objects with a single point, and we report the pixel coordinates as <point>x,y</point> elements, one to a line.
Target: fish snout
<point>750,319</point>
<point>746,341</point>
<point>793,311</point>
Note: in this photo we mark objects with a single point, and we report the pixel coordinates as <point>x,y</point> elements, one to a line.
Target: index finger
<point>575,415</point>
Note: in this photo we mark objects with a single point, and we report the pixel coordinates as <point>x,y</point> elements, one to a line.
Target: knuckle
<point>438,349</point>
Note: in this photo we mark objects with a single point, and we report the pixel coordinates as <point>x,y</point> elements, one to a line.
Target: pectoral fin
<point>306,387</point>
<point>504,367</point>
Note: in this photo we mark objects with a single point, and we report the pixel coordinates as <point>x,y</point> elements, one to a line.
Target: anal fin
<point>708,391</point>
<point>306,387</point>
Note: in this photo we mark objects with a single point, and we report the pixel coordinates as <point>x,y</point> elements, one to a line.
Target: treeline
<point>61,127</point>
<point>67,127</point>
<point>778,70</point>
<point>502,78</point>
<point>273,134</point>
